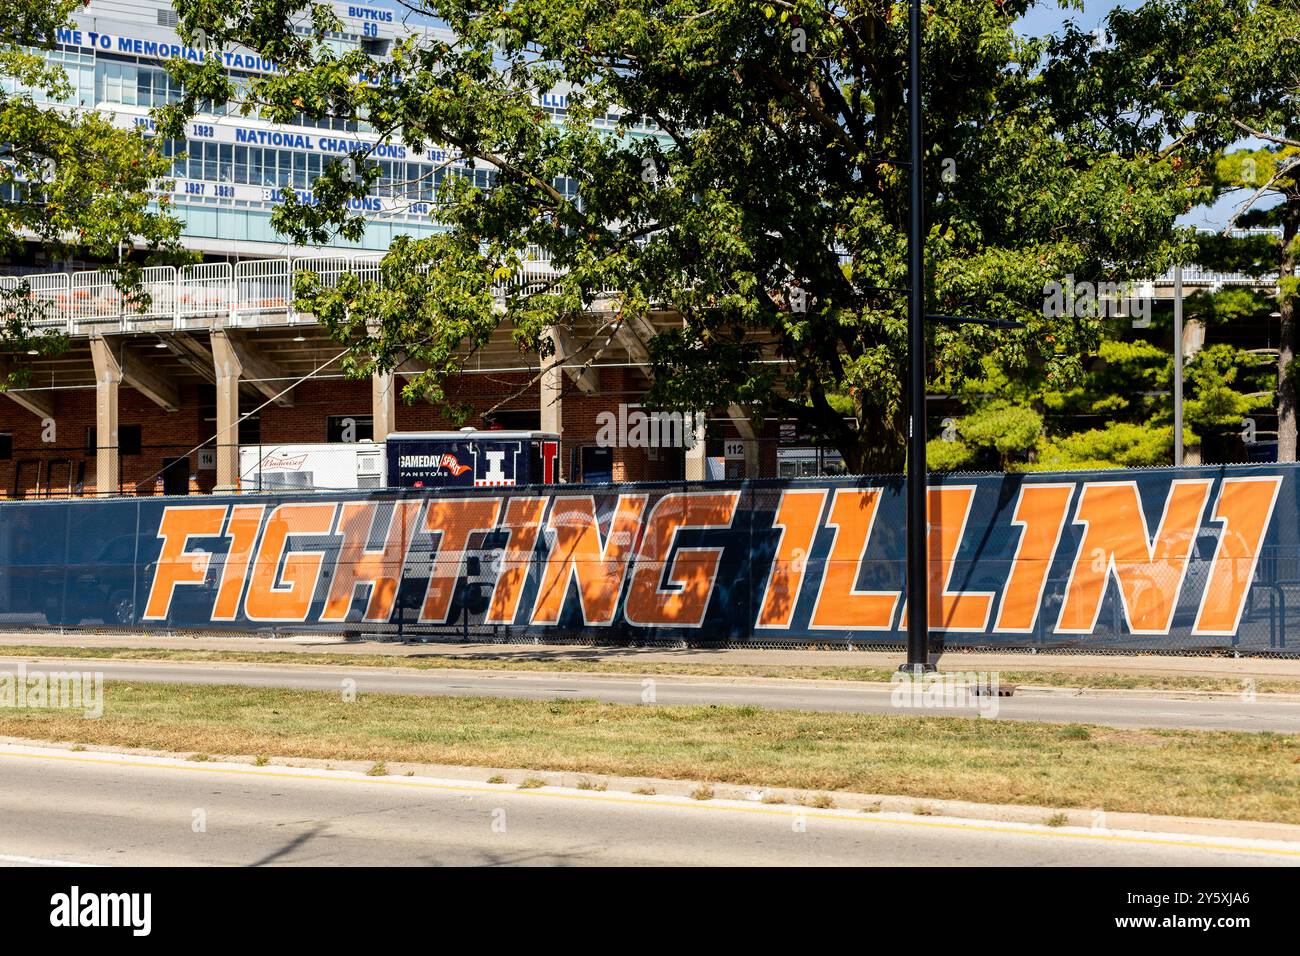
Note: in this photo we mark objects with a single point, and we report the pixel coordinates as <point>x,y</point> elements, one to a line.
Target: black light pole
<point>918,599</point>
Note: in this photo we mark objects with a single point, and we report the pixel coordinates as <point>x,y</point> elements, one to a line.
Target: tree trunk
<point>878,447</point>
<point>1286,350</point>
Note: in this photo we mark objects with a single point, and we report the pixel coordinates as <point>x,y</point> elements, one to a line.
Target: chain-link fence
<point>190,467</point>
<point>1198,560</point>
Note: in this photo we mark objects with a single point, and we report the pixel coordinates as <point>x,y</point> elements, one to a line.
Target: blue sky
<point>1047,16</point>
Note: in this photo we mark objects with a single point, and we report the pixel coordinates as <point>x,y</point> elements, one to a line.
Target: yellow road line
<point>667,805</point>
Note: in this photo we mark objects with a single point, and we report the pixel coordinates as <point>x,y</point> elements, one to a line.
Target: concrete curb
<point>1145,664</point>
<point>1023,690</point>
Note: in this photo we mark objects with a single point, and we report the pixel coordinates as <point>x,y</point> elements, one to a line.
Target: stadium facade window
<point>250,430</point>
<point>129,439</point>
<point>527,420</point>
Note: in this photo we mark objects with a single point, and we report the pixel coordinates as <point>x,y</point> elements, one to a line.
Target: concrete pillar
<point>551,398</point>
<point>745,429</point>
<point>383,397</point>
<point>696,466</point>
<point>228,368</point>
<point>108,378</point>
<point>552,409</point>
<point>1193,337</point>
<point>1193,342</point>
<point>383,400</point>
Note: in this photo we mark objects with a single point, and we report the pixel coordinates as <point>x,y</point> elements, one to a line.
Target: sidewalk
<point>1246,667</point>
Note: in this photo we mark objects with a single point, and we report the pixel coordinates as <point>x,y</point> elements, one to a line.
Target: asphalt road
<point>1115,709</point>
<point>59,807</point>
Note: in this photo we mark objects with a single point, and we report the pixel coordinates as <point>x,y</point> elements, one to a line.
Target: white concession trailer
<point>334,466</point>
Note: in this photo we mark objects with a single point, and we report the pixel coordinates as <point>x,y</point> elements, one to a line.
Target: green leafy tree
<point>1000,428</point>
<point>1179,69</point>
<point>1269,196</point>
<point>1223,76</point>
<point>768,207</point>
<point>69,178</point>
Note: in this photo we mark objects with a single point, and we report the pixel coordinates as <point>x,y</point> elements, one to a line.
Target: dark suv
<point>103,588</point>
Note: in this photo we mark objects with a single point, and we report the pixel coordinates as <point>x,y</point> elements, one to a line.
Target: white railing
<point>263,287</point>
<point>49,298</point>
<point>94,301</point>
<point>252,292</point>
<point>1194,275</point>
<point>204,294</point>
<point>260,292</point>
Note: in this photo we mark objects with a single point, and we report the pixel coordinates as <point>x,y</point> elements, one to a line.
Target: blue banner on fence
<point>1190,559</point>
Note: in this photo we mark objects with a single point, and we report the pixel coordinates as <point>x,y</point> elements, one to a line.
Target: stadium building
<point>137,403</point>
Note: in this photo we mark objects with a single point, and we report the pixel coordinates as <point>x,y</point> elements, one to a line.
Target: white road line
<point>40,861</point>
